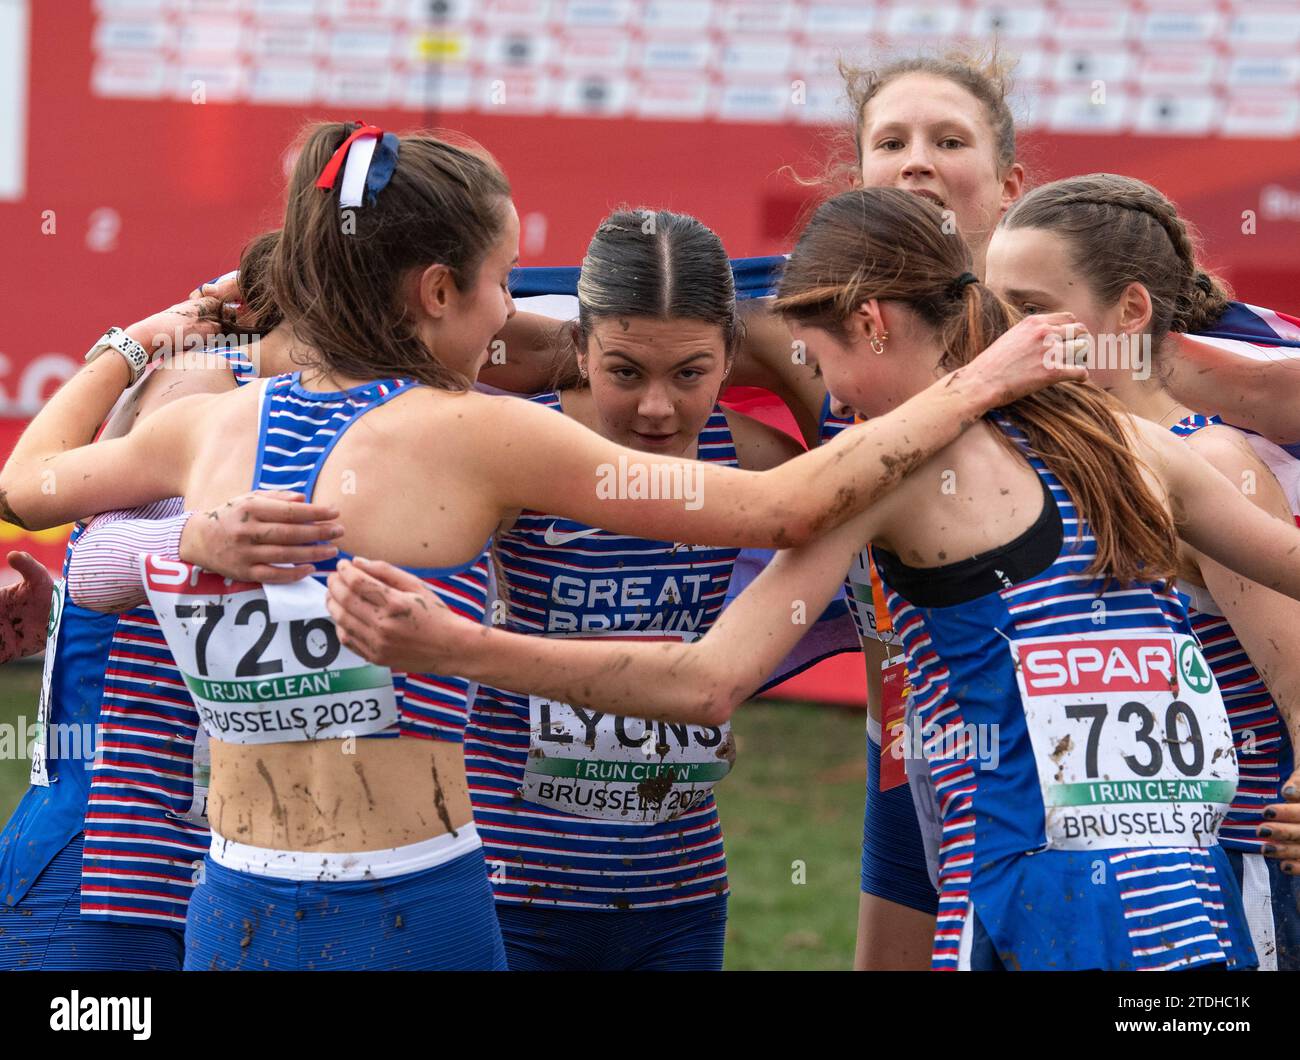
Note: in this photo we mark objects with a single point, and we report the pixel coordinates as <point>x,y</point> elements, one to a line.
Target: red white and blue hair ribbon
<point>370,155</point>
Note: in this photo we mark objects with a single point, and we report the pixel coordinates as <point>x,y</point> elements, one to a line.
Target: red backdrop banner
<point>124,204</point>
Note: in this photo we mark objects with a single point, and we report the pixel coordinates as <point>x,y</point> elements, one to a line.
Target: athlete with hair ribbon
<point>307,797</point>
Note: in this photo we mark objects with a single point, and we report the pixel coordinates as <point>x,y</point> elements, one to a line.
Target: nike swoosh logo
<point>552,538</point>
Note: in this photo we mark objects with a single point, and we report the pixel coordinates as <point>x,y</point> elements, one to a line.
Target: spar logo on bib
<point>1128,664</point>
<point>1132,744</point>
<point>180,578</point>
<point>1195,670</point>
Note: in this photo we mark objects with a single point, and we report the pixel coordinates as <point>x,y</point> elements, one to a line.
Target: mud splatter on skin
<point>361,776</point>
<point>900,466</point>
<point>306,791</point>
<point>277,811</point>
<point>622,663</point>
<point>321,836</point>
<point>846,500</point>
<point>8,514</point>
<point>440,800</point>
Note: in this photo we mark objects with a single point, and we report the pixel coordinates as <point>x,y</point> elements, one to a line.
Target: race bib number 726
<point>1130,737</point>
<point>264,663</point>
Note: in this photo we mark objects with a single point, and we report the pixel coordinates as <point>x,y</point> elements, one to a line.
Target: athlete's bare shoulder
<point>1232,455</point>
<point>477,409</point>
<point>1222,445</point>
<point>165,384</point>
<point>452,417</point>
<point>213,418</point>
<point>1149,437</point>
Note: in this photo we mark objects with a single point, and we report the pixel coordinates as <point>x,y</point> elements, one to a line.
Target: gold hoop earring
<point>878,343</point>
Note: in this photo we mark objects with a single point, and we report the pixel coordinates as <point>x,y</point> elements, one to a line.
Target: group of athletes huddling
<point>388,670</point>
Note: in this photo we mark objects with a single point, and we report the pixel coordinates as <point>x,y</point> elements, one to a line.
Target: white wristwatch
<point>137,357</point>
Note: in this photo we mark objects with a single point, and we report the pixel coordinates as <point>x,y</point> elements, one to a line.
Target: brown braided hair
<point>1121,231</point>
<point>889,244</point>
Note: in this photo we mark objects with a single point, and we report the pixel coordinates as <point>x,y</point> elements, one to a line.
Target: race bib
<point>865,596</point>
<point>1130,737</point>
<point>621,769</point>
<point>264,663</point>
<point>40,771</point>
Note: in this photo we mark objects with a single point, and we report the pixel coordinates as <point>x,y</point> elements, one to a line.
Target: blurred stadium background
<point>142,143</point>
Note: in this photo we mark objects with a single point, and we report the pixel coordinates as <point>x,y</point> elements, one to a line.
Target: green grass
<point>20,685</point>
<point>794,797</point>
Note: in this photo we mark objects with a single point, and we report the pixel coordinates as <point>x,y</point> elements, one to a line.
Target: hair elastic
<point>959,284</point>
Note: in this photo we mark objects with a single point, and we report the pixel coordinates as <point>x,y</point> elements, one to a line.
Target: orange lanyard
<point>883,622</point>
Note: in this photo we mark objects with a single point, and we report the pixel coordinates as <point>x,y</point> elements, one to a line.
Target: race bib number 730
<point>1130,737</point>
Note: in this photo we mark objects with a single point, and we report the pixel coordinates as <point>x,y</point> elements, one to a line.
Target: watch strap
<point>135,355</point>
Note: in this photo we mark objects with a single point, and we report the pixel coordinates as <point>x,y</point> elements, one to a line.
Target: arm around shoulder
<point>48,486</point>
